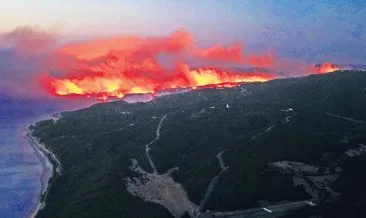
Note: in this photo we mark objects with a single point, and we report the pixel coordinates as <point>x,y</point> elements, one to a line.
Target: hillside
<point>260,144</point>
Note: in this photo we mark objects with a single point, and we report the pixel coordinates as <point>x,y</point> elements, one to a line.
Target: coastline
<point>51,169</point>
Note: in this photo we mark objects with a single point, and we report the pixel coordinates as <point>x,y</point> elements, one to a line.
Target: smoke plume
<point>115,67</point>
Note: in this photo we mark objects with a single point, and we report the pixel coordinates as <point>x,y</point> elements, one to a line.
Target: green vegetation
<point>95,145</point>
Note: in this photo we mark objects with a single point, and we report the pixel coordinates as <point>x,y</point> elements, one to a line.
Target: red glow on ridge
<point>120,66</point>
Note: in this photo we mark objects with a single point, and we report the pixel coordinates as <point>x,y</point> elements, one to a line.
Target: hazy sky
<point>314,30</point>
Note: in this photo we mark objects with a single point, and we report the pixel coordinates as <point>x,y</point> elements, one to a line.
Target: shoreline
<point>51,170</point>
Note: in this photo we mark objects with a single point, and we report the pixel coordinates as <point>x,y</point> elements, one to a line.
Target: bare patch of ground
<point>357,151</point>
<point>298,167</point>
<point>315,181</point>
<point>159,188</point>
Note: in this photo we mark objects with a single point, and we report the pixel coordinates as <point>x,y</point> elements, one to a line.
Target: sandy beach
<point>51,169</point>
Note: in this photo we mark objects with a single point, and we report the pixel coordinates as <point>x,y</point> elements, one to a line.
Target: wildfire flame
<point>117,86</point>
<point>116,67</point>
<point>326,67</point>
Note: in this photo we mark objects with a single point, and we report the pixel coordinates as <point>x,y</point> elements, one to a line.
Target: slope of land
<point>288,144</point>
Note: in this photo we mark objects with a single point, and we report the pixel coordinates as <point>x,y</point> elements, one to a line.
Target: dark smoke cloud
<point>27,52</point>
<point>28,39</point>
<point>22,51</point>
<point>17,74</point>
<point>286,67</point>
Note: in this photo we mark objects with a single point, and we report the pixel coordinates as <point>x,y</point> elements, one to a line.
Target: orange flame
<point>116,67</point>
<point>117,86</point>
<point>326,67</point>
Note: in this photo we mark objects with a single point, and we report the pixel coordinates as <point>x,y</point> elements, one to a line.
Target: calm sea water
<point>20,168</point>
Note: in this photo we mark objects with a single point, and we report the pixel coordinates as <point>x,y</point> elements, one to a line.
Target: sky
<point>314,30</point>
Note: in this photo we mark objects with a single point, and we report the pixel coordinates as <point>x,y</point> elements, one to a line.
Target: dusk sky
<point>282,74</point>
<point>313,30</point>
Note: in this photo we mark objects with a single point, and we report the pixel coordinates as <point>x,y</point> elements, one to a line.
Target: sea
<point>20,167</point>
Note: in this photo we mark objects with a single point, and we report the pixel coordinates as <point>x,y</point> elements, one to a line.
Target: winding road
<point>212,183</point>
<point>269,211</point>
<point>147,146</point>
<point>159,188</point>
<point>222,165</point>
<point>345,118</point>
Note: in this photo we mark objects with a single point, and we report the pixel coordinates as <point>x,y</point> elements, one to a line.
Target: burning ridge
<point>119,66</point>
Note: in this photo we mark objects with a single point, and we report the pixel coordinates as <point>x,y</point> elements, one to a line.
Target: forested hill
<point>256,145</point>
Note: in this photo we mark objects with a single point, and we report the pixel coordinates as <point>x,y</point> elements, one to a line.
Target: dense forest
<point>297,119</point>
